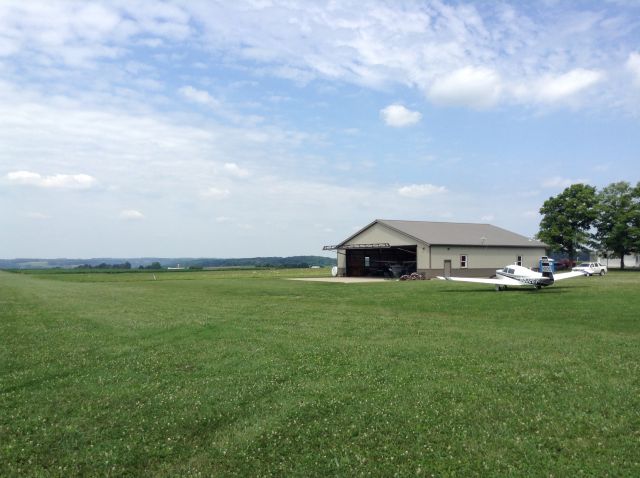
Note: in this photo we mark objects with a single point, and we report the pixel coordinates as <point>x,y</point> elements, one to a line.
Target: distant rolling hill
<point>138,262</point>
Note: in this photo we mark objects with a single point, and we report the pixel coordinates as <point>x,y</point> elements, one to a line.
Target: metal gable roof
<point>456,234</point>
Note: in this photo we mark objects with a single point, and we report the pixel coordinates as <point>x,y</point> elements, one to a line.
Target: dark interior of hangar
<point>385,262</point>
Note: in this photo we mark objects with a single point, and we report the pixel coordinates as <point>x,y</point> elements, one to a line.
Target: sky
<point>263,128</point>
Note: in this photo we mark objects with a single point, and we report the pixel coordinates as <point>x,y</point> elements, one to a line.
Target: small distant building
<point>393,247</point>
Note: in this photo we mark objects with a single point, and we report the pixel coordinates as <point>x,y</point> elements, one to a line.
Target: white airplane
<point>516,276</point>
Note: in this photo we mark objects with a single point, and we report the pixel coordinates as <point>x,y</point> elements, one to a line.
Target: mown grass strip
<point>231,374</point>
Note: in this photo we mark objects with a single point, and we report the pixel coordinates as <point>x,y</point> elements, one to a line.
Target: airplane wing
<point>568,275</point>
<point>497,281</point>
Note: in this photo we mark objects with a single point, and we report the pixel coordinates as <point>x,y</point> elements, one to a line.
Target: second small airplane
<point>516,276</point>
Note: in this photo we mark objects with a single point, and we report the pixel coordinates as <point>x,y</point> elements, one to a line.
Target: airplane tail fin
<point>546,268</point>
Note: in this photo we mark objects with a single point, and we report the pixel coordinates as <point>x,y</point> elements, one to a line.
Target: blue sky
<point>229,129</point>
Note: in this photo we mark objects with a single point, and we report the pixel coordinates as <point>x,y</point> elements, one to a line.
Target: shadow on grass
<point>521,290</point>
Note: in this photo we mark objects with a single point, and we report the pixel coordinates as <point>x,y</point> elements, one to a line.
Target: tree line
<point>581,217</point>
<point>125,265</point>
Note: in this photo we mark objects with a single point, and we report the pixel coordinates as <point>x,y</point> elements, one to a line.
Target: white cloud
<point>131,215</point>
<point>56,181</point>
<point>429,47</point>
<point>199,96</point>
<point>633,65</point>
<point>560,182</point>
<point>128,148</point>
<point>476,87</point>
<point>215,193</point>
<point>398,116</point>
<point>487,218</point>
<point>79,35</point>
<point>557,87</point>
<point>235,170</point>
<point>456,53</point>
<point>86,32</point>
<point>420,190</point>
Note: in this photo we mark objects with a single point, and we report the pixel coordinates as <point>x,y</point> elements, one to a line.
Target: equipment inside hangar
<point>378,260</point>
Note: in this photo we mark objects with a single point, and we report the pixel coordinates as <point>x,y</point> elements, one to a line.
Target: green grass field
<point>243,373</point>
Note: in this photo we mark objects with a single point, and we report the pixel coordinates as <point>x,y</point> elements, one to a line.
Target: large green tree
<point>618,219</point>
<point>567,218</point>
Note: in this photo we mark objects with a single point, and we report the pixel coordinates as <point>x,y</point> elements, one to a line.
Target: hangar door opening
<point>387,262</point>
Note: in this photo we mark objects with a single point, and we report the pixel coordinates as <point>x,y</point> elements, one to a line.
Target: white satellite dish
<point>334,271</point>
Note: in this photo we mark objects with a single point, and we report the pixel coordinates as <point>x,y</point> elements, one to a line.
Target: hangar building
<point>392,248</point>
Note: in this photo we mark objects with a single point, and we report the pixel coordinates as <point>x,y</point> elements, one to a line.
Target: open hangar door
<point>393,261</point>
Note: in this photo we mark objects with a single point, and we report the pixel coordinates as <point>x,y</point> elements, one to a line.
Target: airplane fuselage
<point>525,276</point>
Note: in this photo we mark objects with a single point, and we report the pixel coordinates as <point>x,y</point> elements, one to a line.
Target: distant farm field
<point>244,373</point>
